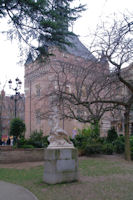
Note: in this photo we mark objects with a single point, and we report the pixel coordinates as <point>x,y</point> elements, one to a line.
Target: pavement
<point>9,191</point>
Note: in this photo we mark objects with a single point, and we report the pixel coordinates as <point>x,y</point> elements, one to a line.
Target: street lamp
<point>15,97</point>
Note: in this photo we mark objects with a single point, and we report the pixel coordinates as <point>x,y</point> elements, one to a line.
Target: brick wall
<point>36,74</point>
<point>21,155</point>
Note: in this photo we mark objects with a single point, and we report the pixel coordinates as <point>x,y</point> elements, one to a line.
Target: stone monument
<point>60,158</point>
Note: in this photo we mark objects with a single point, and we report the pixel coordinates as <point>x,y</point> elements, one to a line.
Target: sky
<point>96,11</point>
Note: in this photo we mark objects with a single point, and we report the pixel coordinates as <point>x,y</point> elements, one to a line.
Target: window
<point>38,90</point>
<point>38,118</point>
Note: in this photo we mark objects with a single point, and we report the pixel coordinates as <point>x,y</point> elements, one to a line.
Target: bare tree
<point>75,86</point>
<point>86,91</point>
<point>117,44</point>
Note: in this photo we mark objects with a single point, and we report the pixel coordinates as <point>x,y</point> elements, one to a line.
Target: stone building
<point>7,111</point>
<point>37,86</point>
<point>117,120</point>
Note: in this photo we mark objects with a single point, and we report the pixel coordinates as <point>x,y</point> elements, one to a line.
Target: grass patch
<point>100,179</point>
<point>101,167</point>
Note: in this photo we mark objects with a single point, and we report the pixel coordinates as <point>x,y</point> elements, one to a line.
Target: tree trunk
<point>127,141</point>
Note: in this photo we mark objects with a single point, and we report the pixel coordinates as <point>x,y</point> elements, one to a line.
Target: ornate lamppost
<point>17,96</point>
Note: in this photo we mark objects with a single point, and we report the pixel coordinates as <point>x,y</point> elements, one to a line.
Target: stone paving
<point>10,191</point>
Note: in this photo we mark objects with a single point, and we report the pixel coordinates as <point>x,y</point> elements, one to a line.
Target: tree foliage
<point>112,135</point>
<point>46,21</point>
<point>17,127</point>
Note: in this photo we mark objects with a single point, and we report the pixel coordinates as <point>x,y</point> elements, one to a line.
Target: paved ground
<point>10,191</point>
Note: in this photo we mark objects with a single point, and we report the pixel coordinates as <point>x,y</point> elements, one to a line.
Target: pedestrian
<point>8,141</point>
<point>11,140</point>
<point>74,133</point>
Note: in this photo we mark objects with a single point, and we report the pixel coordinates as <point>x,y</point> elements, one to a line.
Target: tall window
<point>38,119</point>
<point>38,90</point>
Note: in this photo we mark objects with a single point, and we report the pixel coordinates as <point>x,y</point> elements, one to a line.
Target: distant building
<point>7,111</point>
<point>117,119</point>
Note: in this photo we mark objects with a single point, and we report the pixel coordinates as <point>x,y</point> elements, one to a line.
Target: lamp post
<point>17,93</point>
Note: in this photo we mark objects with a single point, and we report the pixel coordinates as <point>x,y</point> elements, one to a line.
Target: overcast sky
<point>96,11</point>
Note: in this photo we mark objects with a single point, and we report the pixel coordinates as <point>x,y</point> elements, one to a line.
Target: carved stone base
<point>60,165</point>
<point>60,144</point>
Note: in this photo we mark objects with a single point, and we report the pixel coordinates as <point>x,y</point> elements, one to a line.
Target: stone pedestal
<point>60,165</point>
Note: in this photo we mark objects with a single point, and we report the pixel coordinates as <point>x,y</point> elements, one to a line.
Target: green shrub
<point>87,141</point>
<point>17,127</point>
<point>45,141</point>
<point>81,140</point>
<point>91,131</point>
<point>36,135</point>
<point>36,144</point>
<point>131,153</point>
<point>89,135</point>
<point>102,140</point>
<point>131,141</point>
<point>27,146</point>
<point>119,145</point>
<point>22,141</point>
<point>38,140</point>
<point>112,135</point>
<point>95,130</point>
<point>85,131</point>
<point>122,138</point>
<point>108,149</point>
<point>131,146</point>
<point>90,149</point>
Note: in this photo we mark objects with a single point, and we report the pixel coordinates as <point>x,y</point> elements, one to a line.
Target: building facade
<point>7,111</point>
<point>117,119</point>
<point>37,85</point>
